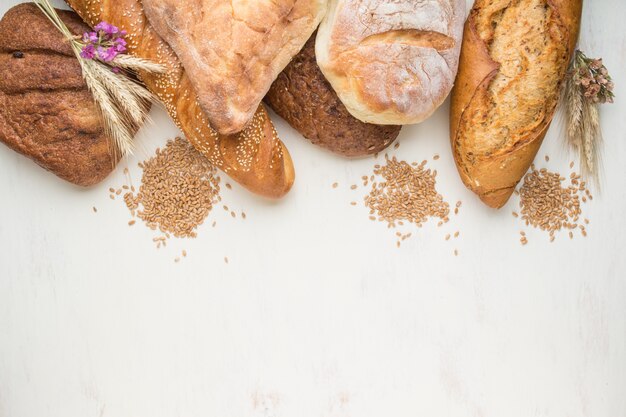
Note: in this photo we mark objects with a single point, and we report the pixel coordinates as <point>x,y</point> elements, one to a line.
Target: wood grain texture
<point>317,313</point>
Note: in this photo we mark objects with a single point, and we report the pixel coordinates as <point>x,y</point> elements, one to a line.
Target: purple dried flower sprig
<point>123,101</point>
<point>105,43</point>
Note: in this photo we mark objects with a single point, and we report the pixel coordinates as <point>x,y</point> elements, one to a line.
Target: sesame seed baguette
<point>514,59</point>
<point>255,158</point>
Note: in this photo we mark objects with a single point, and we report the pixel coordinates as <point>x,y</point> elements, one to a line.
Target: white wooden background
<point>318,314</point>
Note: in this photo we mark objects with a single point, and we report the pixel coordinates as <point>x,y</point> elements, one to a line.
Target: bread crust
<point>234,50</point>
<point>303,97</point>
<point>46,111</point>
<point>492,165</point>
<point>391,61</point>
<point>255,158</point>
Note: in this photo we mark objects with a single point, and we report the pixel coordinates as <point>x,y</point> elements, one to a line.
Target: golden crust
<point>255,158</point>
<point>233,63</point>
<point>489,162</point>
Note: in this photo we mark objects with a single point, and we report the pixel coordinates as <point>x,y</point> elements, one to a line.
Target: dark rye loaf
<point>302,96</point>
<point>46,111</point>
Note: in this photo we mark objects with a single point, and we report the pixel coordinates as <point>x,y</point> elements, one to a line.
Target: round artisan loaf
<point>391,61</point>
<point>302,96</point>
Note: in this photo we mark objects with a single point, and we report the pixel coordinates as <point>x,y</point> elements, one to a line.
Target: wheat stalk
<point>124,91</point>
<point>582,115</point>
<point>138,64</point>
<point>117,124</point>
<point>122,102</point>
<point>591,140</point>
<point>574,107</point>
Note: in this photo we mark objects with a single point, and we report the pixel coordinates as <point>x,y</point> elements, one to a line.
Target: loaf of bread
<point>303,97</point>
<point>46,111</point>
<point>255,158</point>
<point>514,59</point>
<point>233,51</point>
<point>391,61</point>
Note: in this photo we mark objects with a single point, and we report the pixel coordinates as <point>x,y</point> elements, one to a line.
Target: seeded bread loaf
<point>46,111</point>
<point>255,158</point>
<point>514,59</point>
<point>303,97</point>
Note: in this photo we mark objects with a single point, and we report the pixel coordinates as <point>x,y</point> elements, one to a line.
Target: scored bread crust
<point>46,111</point>
<point>495,134</point>
<point>234,49</point>
<point>255,158</point>
<point>391,61</point>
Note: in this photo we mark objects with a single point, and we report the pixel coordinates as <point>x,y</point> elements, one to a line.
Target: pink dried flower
<point>107,29</point>
<point>105,43</point>
<point>593,90</point>
<point>106,54</point>
<point>88,52</point>
<point>593,78</point>
<point>120,45</point>
<point>596,64</point>
<point>90,37</point>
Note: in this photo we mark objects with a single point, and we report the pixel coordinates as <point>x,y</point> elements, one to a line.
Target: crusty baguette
<point>303,97</point>
<point>513,61</point>
<point>255,158</point>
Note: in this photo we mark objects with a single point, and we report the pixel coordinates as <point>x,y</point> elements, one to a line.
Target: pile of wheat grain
<point>178,190</point>
<point>405,193</point>
<point>547,202</point>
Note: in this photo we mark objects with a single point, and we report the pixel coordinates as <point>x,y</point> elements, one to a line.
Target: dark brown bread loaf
<point>302,96</point>
<point>46,111</point>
